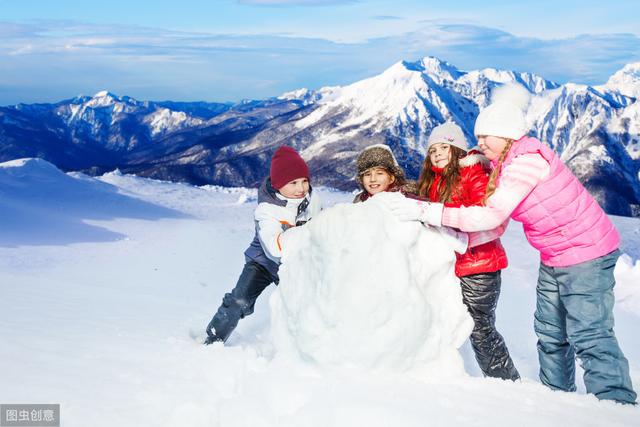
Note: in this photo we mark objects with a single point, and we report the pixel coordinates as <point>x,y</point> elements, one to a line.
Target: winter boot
<point>211,339</point>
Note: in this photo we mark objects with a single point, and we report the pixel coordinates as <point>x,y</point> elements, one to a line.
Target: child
<point>378,171</point>
<point>578,247</point>
<point>285,200</point>
<point>457,178</point>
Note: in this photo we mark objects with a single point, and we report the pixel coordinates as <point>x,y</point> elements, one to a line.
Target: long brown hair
<point>450,176</point>
<point>491,185</point>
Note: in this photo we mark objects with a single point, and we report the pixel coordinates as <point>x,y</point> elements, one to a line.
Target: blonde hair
<point>491,185</point>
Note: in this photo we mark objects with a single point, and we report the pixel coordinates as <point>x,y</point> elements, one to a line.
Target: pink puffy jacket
<point>559,216</point>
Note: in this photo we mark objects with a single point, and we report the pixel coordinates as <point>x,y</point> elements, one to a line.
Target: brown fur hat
<point>379,156</point>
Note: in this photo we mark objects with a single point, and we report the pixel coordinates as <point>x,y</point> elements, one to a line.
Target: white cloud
<point>53,60</point>
<point>387,18</point>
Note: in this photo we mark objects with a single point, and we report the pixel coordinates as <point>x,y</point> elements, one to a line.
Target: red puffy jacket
<point>474,175</point>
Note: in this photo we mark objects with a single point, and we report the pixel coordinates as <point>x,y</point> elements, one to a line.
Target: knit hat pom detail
<point>505,116</point>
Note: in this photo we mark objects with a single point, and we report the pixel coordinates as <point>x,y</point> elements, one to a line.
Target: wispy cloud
<point>387,18</point>
<point>46,61</point>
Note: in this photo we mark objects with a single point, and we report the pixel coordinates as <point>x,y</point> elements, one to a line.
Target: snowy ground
<point>106,286</point>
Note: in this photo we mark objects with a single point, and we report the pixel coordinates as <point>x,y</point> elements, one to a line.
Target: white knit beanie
<point>448,133</point>
<point>505,116</point>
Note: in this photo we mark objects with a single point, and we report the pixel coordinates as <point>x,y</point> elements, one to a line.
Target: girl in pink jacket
<point>578,247</point>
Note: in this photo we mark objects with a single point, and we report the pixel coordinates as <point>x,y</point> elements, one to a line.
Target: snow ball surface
<point>360,289</point>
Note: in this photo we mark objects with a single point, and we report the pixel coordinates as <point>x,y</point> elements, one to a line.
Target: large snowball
<point>360,289</point>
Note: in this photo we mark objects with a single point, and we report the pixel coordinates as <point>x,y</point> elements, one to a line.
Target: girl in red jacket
<point>455,177</point>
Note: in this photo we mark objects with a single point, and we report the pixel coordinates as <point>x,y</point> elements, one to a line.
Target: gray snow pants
<point>240,301</point>
<point>574,316</point>
<point>480,293</point>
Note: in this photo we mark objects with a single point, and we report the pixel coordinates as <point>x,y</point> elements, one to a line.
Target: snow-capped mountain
<point>117,123</point>
<point>95,131</point>
<point>400,107</point>
<point>626,81</point>
<point>595,129</point>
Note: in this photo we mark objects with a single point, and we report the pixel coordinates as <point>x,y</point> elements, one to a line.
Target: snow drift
<point>117,317</point>
<point>41,205</point>
<point>361,290</point>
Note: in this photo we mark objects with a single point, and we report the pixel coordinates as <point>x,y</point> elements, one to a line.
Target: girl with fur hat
<point>378,171</point>
<point>578,247</point>
<point>457,177</point>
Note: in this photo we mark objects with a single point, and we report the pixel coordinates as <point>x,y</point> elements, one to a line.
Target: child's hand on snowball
<point>406,209</point>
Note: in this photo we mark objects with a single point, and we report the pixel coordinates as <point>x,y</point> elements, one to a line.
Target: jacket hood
<point>474,157</point>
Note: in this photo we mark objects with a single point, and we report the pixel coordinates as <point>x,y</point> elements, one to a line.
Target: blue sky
<point>226,50</point>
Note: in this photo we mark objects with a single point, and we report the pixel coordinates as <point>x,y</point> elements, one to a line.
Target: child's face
<point>440,154</point>
<point>296,189</point>
<point>491,146</point>
<point>376,180</point>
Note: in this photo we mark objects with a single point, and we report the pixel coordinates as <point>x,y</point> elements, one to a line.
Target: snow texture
<point>361,290</point>
<point>110,325</point>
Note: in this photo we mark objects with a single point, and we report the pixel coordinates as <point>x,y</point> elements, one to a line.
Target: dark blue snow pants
<point>240,302</point>
<point>574,316</point>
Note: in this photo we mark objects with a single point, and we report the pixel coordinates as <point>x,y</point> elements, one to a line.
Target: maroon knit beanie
<point>287,165</point>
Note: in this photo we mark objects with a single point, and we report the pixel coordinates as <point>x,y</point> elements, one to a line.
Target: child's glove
<point>459,240</point>
<point>406,209</point>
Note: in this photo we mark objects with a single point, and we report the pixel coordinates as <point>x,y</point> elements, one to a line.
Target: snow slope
<point>103,315</point>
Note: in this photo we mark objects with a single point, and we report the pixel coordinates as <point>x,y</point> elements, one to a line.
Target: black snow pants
<point>480,293</point>
<point>240,302</point>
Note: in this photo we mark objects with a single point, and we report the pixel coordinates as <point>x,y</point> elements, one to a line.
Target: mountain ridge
<point>594,129</point>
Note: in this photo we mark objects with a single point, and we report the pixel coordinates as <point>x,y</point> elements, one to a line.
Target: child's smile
<point>376,180</point>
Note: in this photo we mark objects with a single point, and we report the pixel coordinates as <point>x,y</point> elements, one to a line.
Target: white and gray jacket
<point>274,215</point>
